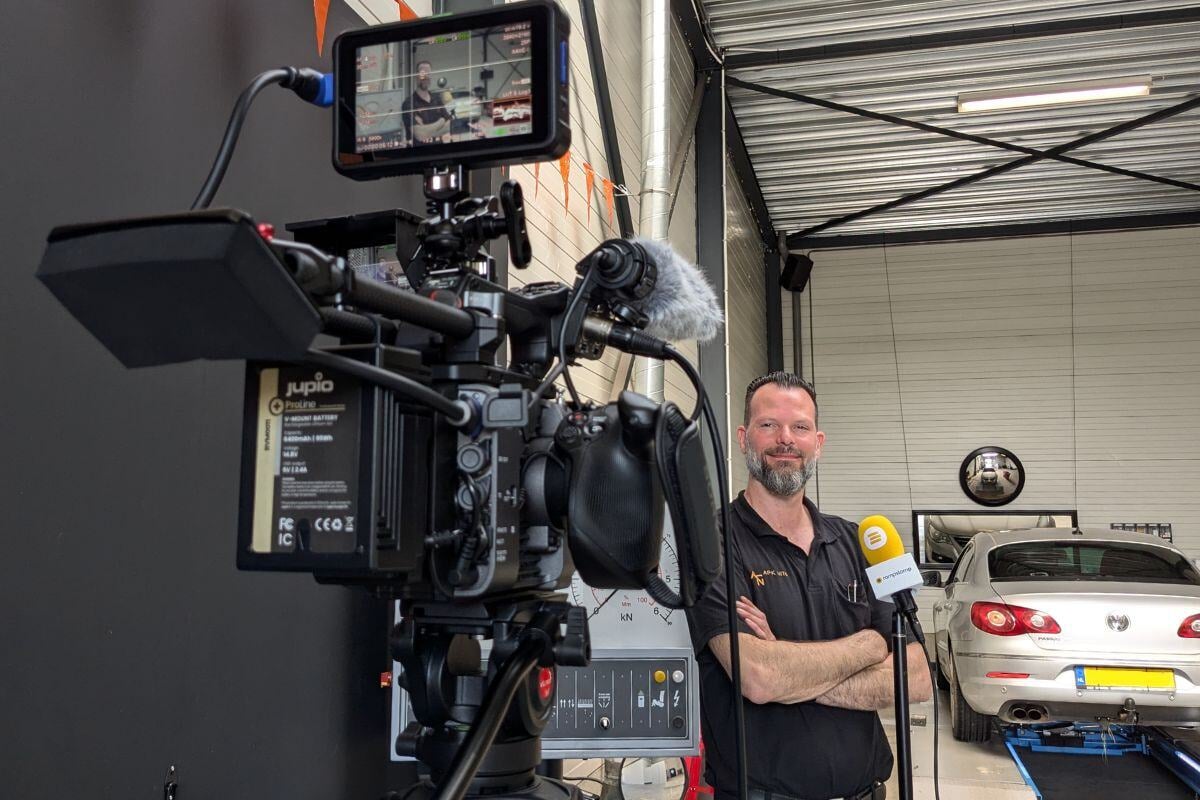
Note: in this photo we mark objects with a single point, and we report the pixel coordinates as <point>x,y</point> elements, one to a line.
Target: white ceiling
<point>814,164</point>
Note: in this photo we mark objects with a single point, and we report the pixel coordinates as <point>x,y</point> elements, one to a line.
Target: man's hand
<point>754,618</point>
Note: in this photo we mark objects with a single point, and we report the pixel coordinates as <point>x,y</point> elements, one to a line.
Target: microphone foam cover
<point>879,540</point>
<point>683,304</point>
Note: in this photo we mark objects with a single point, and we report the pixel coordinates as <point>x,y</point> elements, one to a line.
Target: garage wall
<point>1080,353</point>
<point>745,307</point>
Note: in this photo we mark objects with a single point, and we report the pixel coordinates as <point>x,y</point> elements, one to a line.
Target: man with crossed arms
<point>814,641</point>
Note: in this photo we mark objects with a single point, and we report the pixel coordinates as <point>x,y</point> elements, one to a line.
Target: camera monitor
<point>475,90</point>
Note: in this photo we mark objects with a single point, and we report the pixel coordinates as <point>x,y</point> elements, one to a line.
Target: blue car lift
<point>1178,751</point>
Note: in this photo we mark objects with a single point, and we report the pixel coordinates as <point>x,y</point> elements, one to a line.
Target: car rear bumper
<point>1050,691</point>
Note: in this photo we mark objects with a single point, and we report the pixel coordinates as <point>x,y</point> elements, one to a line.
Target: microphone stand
<point>900,685</point>
<point>905,609</point>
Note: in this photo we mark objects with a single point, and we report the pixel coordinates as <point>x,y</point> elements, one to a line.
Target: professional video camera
<point>396,453</point>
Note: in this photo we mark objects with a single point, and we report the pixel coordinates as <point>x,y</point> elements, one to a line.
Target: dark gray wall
<point>129,640</point>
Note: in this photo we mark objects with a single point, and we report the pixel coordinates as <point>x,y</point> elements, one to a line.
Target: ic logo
<point>1117,622</point>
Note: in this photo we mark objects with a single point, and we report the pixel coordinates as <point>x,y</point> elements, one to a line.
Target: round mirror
<point>992,476</point>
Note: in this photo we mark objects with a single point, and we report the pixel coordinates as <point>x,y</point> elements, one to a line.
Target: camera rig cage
<point>398,453</point>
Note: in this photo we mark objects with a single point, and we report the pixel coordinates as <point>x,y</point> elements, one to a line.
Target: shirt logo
<point>760,578</point>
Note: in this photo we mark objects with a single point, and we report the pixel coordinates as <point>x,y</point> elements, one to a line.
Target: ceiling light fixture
<point>1053,94</point>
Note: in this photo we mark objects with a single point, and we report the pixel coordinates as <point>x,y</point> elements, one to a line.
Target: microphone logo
<point>874,537</point>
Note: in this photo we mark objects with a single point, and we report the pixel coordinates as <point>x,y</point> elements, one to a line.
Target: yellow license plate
<point>1124,678</point>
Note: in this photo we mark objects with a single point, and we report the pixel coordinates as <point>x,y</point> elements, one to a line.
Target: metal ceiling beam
<point>1094,225</point>
<point>996,33</point>
<point>953,134</point>
<point>695,33</point>
<point>1008,166</point>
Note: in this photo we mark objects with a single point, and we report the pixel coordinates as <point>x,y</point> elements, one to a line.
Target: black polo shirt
<point>806,750</point>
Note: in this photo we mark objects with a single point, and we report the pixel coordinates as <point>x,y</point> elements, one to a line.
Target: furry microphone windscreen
<point>683,304</point>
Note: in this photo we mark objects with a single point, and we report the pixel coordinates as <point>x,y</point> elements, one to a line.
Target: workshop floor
<point>974,771</point>
<point>967,771</point>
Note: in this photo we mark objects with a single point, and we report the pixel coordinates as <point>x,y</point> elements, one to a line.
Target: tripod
<point>479,733</point>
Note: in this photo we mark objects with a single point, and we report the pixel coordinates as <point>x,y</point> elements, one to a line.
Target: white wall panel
<point>746,315</point>
<point>1079,353</point>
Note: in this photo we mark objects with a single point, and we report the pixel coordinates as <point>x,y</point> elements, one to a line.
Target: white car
<point>1047,625</point>
<point>511,113</point>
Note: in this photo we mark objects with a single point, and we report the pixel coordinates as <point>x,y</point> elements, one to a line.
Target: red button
<point>545,684</point>
<point>266,230</point>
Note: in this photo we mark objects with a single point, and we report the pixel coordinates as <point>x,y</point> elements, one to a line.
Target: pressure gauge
<point>629,607</point>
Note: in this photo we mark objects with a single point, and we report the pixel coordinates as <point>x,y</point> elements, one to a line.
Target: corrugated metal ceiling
<point>815,164</point>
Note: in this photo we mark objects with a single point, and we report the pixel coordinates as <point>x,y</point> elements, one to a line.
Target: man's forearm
<point>874,687</point>
<point>795,672</point>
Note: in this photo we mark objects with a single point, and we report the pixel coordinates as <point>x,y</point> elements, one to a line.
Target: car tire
<point>967,724</point>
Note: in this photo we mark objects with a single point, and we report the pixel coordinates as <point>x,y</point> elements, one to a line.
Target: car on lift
<point>1056,625</point>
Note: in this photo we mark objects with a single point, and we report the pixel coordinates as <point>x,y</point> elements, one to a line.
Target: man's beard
<point>779,482</point>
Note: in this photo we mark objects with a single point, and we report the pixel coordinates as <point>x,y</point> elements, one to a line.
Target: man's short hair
<point>787,380</point>
<point>423,61</point>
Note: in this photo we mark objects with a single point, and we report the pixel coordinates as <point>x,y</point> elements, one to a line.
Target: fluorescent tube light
<point>1054,93</point>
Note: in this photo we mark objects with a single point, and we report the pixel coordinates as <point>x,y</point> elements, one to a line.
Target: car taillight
<point>1004,620</point>
<point>1190,627</point>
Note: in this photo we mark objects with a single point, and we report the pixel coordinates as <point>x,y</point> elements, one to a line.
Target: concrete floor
<point>966,771</point>
<point>975,771</point>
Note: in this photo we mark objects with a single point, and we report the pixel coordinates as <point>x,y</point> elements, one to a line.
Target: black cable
<point>233,130</point>
<point>458,413</point>
<point>576,296</point>
<point>735,653</point>
<point>547,383</point>
<point>693,375</point>
<point>499,696</point>
<point>937,795</point>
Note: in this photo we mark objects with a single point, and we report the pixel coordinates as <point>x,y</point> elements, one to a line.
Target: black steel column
<point>798,332</point>
<point>612,149</point>
<point>774,315</point>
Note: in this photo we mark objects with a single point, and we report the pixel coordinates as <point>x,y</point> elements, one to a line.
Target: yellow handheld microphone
<point>892,573</point>
<point>879,540</point>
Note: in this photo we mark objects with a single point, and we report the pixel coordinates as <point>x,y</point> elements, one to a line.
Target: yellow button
<point>659,676</point>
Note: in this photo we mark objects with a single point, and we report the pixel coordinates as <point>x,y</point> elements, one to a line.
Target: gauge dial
<point>629,606</point>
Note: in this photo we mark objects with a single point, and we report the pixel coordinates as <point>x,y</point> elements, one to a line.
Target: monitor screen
<point>474,89</point>
<point>455,87</point>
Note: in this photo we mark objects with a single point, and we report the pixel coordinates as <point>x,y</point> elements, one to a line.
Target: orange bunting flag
<point>321,14</point>
<point>406,13</point>
<point>537,172</point>
<point>564,166</point>
<point>609,199</point>
<point>590,176</point>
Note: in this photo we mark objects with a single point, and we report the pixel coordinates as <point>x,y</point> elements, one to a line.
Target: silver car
<point>1073,626</point>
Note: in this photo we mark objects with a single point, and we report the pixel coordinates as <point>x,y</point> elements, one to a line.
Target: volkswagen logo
<point>1118,622</point>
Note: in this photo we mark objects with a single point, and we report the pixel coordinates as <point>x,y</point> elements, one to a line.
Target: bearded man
<point>814,640</point>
